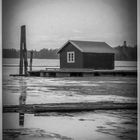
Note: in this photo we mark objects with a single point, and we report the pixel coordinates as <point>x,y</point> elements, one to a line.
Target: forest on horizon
<point>123,53</point>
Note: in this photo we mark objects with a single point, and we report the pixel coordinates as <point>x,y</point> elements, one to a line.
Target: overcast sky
<point>50,23</point>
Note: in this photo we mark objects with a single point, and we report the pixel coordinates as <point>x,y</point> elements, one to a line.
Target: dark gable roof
<point>90,46</point>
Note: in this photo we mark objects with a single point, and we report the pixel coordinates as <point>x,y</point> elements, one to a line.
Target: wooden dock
<point>80,73</point>
<point>67,107</point>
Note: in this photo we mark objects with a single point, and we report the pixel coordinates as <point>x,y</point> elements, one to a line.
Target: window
<point>70,57</point>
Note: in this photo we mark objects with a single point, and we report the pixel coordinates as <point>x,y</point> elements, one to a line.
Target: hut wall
<point>78,57</point>
<point>98,60</point>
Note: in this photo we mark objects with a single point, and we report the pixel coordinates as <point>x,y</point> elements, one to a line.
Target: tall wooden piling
<point>23,51</point>
<point>31,60</point>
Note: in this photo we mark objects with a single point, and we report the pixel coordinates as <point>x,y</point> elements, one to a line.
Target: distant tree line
<point>124,53</point>
<point>46,54</point>
<point>42,54</point>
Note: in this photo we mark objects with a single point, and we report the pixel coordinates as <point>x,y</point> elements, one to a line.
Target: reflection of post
<point>22,101</point>
<point>21,119</point>
<point>31,60</point>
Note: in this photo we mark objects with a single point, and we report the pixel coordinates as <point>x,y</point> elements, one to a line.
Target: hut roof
<point>90,46</point>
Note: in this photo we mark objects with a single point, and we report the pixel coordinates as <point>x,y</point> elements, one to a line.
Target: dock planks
<point>81,73</point>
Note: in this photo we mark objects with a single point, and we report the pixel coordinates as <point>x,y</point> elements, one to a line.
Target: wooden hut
<point>86,55</point>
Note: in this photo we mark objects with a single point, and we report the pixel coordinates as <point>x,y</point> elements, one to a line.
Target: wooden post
<point>23,51</point>
<point>21,54</point>
<point>25,61</point>
<point>31,60</point>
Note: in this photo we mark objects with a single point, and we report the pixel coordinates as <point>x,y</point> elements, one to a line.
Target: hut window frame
<point>70,57</point>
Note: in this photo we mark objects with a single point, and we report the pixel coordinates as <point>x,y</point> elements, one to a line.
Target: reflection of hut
<point>86,54</point>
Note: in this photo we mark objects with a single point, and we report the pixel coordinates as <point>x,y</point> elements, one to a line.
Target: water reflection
<point>22,100</point>
<point>21,119</point>
<point>100,125</point>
